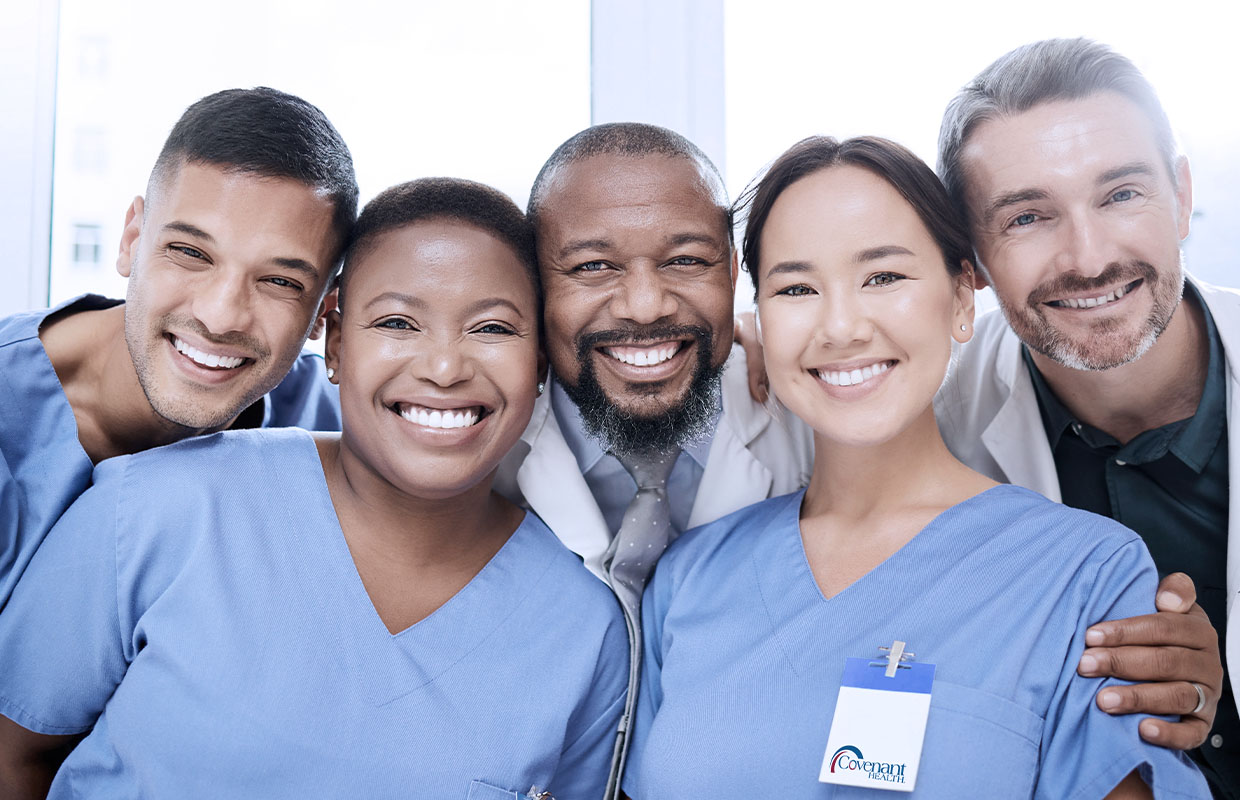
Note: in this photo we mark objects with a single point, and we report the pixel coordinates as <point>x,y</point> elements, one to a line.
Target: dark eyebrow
<point>399,297</point>
<point>1010,199</point>
<point>579,245</point>
<point>1135,168</point>
<point>491,302</point>
<point>876,253</point>
<point>789,266</point>
<point>296,264</point>
<point>189,230</point>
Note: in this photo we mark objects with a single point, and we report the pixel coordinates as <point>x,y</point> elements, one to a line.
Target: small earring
<point>541,386</point>
<point>331,373</point>
<point>964,327</point>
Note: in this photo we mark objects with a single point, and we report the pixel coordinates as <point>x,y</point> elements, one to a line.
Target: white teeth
<point>645,358</point>
<point>1091,302</point>
<point>206,359</point>
<point>855,376</point>
<point>441,418</point>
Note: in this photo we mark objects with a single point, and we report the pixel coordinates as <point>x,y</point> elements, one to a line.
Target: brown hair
<point>894,163</point>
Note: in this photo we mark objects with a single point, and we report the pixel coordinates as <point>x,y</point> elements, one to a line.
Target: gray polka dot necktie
<point>646,529</point>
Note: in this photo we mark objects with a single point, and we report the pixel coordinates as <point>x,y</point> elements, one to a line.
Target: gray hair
<point>1053,69</point>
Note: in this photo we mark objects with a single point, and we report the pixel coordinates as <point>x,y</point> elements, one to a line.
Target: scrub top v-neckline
<point>465,620</point>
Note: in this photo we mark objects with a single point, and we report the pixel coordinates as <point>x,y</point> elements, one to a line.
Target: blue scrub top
<point>198,611</point>
<point>45,465</point>
<point>744,656</point>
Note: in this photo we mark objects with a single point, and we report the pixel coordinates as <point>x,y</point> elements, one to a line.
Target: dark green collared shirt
<point>1170,485</point>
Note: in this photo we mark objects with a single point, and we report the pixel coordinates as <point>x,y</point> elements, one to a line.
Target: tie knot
<point>649,470</point>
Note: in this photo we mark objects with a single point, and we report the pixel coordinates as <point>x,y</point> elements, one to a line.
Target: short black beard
<point>621,433</point>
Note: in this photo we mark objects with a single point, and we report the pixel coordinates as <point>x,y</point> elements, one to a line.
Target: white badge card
<point>879,724</point>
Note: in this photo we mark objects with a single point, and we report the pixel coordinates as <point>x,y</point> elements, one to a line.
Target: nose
<point>223,302</point>
<point>1086,246</point>
<point>644,295</point>
<point>845,320</point>
<point>444,363</point>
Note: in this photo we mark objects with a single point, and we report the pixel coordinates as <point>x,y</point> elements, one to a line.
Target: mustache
<point>234,339</point>
<point>634,334</point>
<point>1073,283</point>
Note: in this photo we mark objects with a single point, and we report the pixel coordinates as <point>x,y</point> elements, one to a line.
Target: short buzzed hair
<point>635,139</point>
<point>1053,69</point>
<point>453,199</point>
<point>270,134</point>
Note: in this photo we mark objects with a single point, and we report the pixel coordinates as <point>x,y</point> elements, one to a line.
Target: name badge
<point>879,723</point>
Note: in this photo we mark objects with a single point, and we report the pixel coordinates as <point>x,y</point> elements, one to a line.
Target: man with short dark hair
<point>1108,385</point>
<point>229,257</point>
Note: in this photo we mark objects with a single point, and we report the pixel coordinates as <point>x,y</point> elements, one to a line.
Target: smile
<point>1094,302</point>
<point>853,377</point>
<point>441,418</point>
<point>209,360</point>
<point>644,356</point>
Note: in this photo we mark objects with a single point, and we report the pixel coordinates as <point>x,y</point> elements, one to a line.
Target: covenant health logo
<point>849,758</point>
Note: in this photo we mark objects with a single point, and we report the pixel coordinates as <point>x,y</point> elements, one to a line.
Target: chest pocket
<point>978,745</point>
<point>485,791</point>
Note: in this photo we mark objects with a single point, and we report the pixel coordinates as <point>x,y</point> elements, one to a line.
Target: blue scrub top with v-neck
<point>45,466</point>
<point>199,613</point>
<point>744,656</point>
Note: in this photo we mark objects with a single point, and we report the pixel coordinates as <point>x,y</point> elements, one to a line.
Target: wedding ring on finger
<point>1201,698</point>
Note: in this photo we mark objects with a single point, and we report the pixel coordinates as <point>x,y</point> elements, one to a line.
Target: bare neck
<point>913,469</point>
<point>88,351</point>
<point>1162,386</point>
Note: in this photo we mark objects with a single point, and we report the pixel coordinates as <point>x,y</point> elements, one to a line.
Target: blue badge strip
<point>917,678</point>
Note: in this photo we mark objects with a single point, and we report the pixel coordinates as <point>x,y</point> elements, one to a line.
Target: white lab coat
<point>988,414</point>
<point>755,454</point>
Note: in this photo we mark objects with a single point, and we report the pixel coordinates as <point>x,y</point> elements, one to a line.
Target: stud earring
<point>541,386</point>
<point>331,373</point>
<point>964,327</point>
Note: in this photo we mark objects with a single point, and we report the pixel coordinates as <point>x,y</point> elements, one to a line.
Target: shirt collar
<point>587,450</point>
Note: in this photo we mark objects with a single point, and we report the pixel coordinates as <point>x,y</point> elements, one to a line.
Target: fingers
<point>1176,592</point>
<point>746,335</point>
<point>1191,629</point>
<point>1161,664</point>
<point>1173,697</point>
<point>1190,732</point>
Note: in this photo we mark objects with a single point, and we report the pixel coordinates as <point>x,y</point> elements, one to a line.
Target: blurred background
<point>486,90</point>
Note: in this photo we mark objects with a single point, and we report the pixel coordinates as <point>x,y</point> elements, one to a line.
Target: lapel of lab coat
<point>733,477</point>
<point>1224,306</point>
<point>1021,451</point>
<point>553,486</point>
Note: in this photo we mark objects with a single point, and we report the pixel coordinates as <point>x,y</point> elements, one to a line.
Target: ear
<point>320,321</point>
<point>544,375</point>
<point>331,346</point>
<point>736,266</point>
<point>130,235</point>
<point>1183,195</point>
<point>962,316</point>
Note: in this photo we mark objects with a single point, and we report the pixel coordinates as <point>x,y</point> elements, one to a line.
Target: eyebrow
<point>876,253</point>
<point>288,262</point>
<point>1135,168</point>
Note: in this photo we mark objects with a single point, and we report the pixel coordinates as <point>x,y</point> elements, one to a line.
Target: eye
<point>686,261</point>
<point>495,329</point>
<point>283,283</point>
<point>795,290</point>
<point>591,266</point>
<point>1024,220</point>
<point>884,278</point>
<point>395,324</point>
<point>1123,196</point>
<point>188,251</point>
